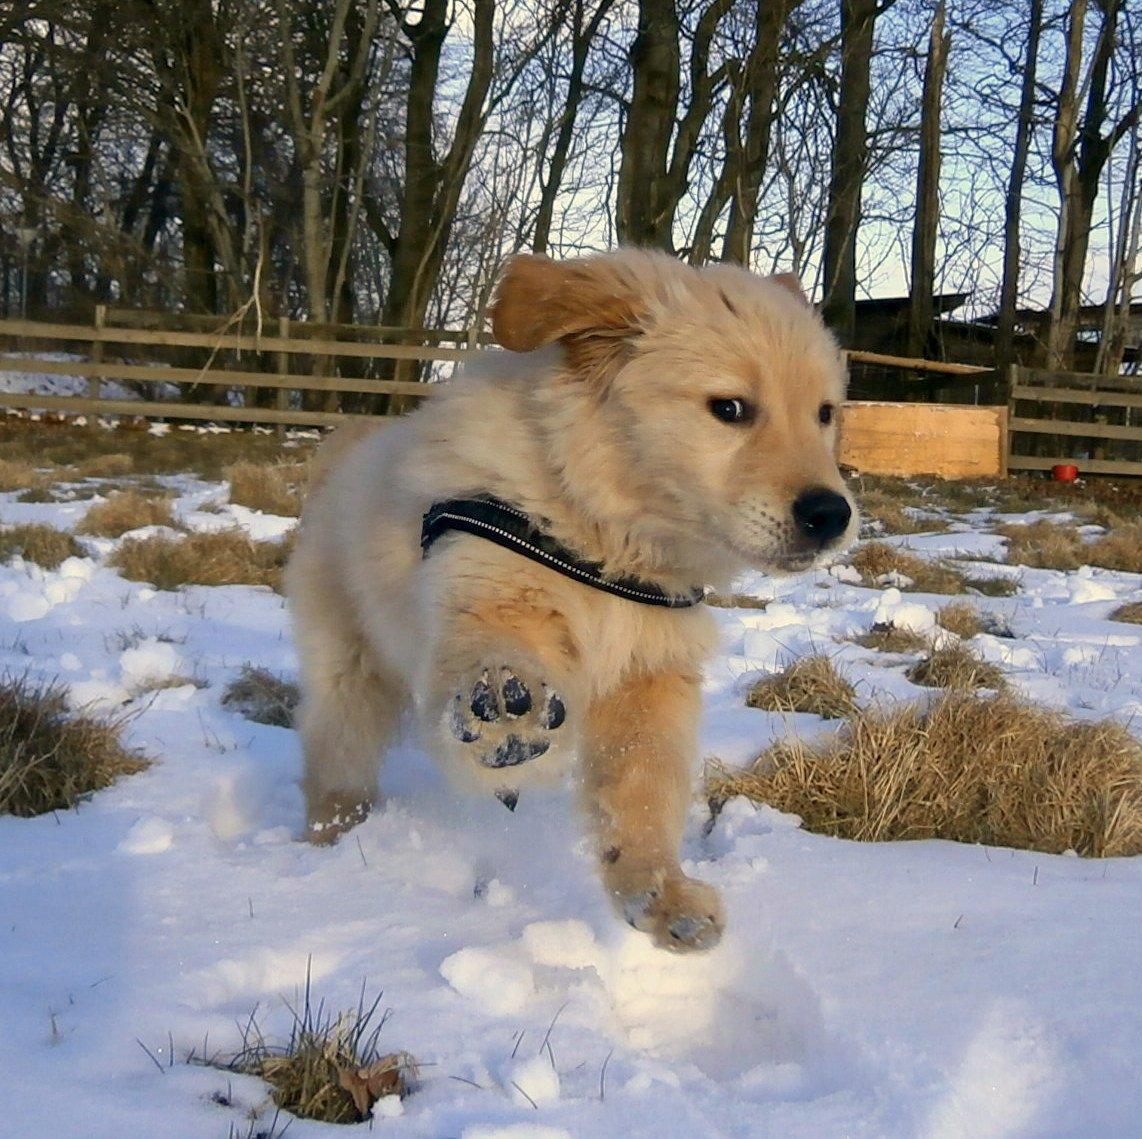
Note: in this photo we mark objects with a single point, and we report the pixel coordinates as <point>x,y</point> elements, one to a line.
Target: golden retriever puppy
<point>660,428</point>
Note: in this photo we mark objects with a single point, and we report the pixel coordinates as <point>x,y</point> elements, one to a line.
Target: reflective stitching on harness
<point>586,574</point>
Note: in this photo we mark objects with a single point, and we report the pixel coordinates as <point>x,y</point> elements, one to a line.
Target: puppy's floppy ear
<point>540,301</point>
<point>791,283</point>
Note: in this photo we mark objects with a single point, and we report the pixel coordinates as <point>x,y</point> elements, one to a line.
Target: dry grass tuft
<point>108,466</point>
<point>274,488</point>
<point>332,1068</point>
<point>19,475</point>
<point>1131,613</point>
<point>961,618</point>
<point>35,542</point>
<point>126,510</point>
<point>1044,545</point>
<point>997,771</point>
<point>180,450</point>
<point>50,758</point>
<point>811,684</point>
<point>875,560</point>
<point>1121,549</point>
<point>1051,545</point>
<point>736,601</point>
<point>221,557</point>
<point>262,697</point>
<point>889,638</point>
<point>878,561</point>
<point>956,666</point>
<point>887,509</point>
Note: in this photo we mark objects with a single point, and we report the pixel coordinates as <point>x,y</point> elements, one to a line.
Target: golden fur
<point>597,420</point>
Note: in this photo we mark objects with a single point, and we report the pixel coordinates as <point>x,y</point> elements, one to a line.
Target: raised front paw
<point>506,716</point>
<point>679,913</point>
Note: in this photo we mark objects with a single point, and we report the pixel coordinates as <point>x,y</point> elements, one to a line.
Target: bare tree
<point>583,29</point>
<point>658,142</point>
<point>1013,199</point>
<point>926,225</point>
<point>1079,152</point>
<point>850,154</point>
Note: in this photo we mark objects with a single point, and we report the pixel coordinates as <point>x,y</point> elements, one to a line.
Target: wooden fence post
<point>283,370</point>
<point>95,355</point>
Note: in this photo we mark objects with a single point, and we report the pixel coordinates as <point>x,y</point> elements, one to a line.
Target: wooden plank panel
<point>223,343</point>
<point>947,440</point>
<point>1085,466</point>
<point>1063,427</point>
<point>1070,395</point>
<point>230,378</point>
<point>75,405</point>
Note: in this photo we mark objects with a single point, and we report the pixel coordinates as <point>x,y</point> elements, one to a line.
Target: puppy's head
<point>698,405</point>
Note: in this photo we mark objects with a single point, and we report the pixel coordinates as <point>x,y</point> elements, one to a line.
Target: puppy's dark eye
<point>733,410</point>
<point>825,414</point>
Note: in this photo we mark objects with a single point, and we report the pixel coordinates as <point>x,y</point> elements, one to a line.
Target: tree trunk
<point>1013,203</point>
<point>644,213</point>
<point>751,155</point>
<point>1079,153</point>
<point>432,186</point>
<point>924,231</point>
<point>581,40</point>
<point>850,152</point>
<point>654,175</point>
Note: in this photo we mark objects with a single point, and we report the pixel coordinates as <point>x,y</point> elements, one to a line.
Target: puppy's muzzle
<point>821,515</point>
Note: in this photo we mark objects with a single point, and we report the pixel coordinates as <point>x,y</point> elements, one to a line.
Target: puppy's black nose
<point>822,515</point>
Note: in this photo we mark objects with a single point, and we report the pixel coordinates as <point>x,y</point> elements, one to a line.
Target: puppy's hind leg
<point>349,714</point>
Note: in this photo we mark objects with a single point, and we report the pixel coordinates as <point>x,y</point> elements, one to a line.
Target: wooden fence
<point>237,363</point>
<point>285,372</point>
<point>294,373</point>
<point>1094,422</point>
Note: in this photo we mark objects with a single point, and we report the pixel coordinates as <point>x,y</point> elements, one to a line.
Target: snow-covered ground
<point>921,989</point>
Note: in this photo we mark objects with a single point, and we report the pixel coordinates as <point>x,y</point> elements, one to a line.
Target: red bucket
<point>1064,472</point>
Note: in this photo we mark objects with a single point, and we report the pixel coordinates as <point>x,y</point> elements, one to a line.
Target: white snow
<point>925,989</point>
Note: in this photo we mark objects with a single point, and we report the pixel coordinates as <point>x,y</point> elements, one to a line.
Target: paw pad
<point>510,716</point>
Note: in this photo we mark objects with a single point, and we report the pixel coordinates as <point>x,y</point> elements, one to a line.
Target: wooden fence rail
<point>1091,421</point>
<point>294,360</point>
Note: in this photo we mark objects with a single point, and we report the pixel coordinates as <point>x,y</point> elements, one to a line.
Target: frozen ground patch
<point>925,989</point>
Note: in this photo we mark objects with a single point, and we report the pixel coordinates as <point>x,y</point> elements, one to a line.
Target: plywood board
<point>947,440</point>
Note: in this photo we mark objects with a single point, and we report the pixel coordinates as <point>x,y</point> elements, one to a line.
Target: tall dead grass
<point>961,618</point>
<point>220,557</point>
<point>126,510</point>
<point>893,511</point>
<point>35,542</point>
<point>262,697</point>
<point>970,769</point>
<point>332,1068</point>
<point>886,637</point>
<point>1131,613</point>
<point>273,488</point>
<point>956,666</point>
<point>85,453</point>
<point>20,475</point>
<point>811,684</point>
<point>51,758</point>
<point>1053,545</point>
<point>880,564</point>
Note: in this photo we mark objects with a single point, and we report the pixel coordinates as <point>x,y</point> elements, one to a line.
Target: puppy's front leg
<point>501,691</point>
<point>639,746</point>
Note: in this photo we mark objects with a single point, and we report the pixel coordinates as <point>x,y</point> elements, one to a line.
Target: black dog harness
<point>504,524</point>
